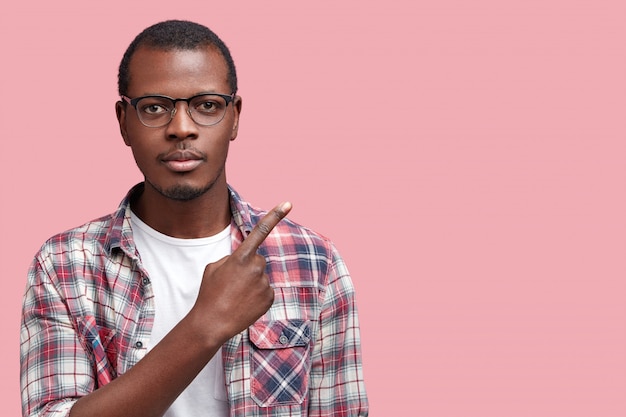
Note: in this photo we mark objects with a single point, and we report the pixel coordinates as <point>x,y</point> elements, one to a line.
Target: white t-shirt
<point>175,267</point>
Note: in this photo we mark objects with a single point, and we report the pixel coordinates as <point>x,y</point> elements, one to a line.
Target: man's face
<point>181,160</point>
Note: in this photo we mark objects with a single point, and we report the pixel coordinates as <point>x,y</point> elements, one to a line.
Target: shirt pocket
<point>100,344</point>
<point>280,361</point>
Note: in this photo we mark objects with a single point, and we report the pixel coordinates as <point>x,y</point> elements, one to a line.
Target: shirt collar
<point>119,234</point>
<point>240,212</point>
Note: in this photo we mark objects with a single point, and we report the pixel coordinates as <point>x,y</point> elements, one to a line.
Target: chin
<point>184,192</point>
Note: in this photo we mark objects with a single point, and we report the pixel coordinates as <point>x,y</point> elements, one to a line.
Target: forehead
<point>176,72</point>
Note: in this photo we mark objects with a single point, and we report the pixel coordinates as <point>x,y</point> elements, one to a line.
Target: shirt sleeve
<point>55,368</point>
<point>337,386</point>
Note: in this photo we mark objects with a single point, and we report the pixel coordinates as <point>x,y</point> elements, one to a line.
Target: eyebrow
<point>200,93</point>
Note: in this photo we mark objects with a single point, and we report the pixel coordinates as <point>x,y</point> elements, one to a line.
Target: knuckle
<point>239,258</point>
<point>208,269</point>
<point>264,228</point>
<point>278,213</point>
<point>269,290</point>
<point>260,261</point>
<point>259,268</point>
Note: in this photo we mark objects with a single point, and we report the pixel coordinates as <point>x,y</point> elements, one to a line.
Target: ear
<point>120,111</point>
<point>237,110</point>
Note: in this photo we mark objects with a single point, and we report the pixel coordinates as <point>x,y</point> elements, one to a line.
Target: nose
<point>182,125</point>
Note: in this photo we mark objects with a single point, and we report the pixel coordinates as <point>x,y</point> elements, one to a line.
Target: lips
<point>182,161</point>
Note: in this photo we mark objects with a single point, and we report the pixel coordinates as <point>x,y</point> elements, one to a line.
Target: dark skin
<point>177,73</point>
<point>235,291</point>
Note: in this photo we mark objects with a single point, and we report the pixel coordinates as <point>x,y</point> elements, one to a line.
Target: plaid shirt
<point>89,308</point>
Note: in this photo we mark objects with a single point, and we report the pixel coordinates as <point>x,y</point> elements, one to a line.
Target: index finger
<point>263,229</point>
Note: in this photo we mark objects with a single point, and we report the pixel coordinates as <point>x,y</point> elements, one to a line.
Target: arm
<point>58,366</point>
<point>337,386</point>
<point>54,367</point>
<point>225,307</point>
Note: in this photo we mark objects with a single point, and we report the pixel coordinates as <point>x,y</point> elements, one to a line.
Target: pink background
<point>467,157</point>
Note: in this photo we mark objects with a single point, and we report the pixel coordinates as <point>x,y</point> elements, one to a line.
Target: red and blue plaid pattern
<point>280,361</point>
<point>89,307</point>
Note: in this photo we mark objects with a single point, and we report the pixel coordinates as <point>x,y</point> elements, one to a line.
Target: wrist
<point>208,333</point>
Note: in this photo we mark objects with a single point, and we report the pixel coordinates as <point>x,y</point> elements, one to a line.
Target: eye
<point>154,109</point>
<point>208,104</point>
<point>154,106</point>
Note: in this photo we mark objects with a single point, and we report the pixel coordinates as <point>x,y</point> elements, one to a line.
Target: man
<point>187,301</point>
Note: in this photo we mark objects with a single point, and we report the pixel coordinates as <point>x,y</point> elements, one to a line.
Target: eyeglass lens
<point>205,110</point>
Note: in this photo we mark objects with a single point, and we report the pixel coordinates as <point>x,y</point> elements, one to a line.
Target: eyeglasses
<point>158,111</point>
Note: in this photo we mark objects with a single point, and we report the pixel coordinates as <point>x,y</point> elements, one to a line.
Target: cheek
<point>141,141</point>
<point>142,152</point>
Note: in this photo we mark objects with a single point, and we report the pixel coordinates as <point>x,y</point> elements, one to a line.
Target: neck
<point>202,216</point>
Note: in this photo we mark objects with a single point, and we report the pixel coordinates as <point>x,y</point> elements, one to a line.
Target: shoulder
<point>291,234</point>
<point>287,239</point>
<point>101,234</point>
<point>90,237</point>
<point>299,256</point>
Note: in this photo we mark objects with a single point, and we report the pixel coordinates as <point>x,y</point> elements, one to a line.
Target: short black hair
<point>175,34</point>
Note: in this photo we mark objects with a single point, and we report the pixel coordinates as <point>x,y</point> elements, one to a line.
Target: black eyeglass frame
<point>134,101</point>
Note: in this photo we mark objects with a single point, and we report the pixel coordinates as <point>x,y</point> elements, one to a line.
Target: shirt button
<point>146,281</point>
<point>283,339</point>
<point>138,344</point>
